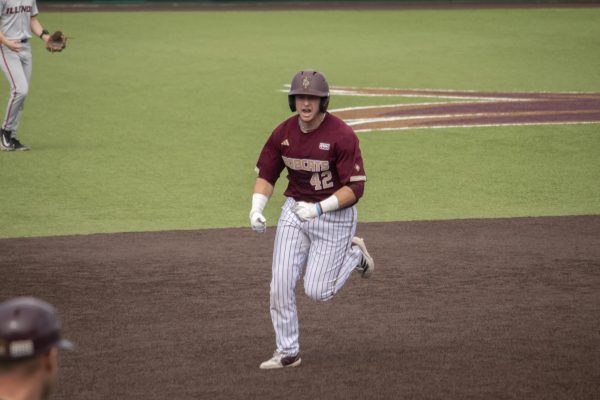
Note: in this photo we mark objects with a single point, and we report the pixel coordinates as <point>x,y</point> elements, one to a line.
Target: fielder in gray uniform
<point>18,19</point>
<point>315,232</point>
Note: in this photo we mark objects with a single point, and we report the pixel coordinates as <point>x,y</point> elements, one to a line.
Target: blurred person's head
<point>29,343</point>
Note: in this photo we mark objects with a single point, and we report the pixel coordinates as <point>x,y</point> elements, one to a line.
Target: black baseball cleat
<point>366,265</point>
<point>18,146</point>
<point>6,142</point>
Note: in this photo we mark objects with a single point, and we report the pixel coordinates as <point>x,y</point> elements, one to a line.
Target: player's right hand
<point>258,222</point>
<point>14,46</point>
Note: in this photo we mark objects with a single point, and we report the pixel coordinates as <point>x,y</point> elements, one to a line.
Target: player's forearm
<point>262,192</point>
<point>264,187</point>
<point>345,197</point>
<point>36,26</point>
<point>342,198</point>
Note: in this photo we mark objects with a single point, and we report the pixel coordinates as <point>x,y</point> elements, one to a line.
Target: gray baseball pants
<point>17,69</point>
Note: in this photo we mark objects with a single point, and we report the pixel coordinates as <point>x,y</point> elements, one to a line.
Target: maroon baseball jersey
<point>318,163</point>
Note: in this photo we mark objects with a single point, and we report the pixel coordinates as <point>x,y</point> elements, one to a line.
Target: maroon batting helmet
<point>29,327</point>
<point>312,83</point>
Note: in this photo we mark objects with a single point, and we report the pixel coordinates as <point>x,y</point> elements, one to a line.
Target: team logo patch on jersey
<point>324,146</point>
<point>285,143</point>
<point>306,82</point>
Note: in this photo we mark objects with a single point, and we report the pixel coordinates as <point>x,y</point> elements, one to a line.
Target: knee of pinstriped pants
<point>317,292</point>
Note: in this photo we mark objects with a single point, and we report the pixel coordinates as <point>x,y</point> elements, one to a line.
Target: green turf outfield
<point>153,121</point>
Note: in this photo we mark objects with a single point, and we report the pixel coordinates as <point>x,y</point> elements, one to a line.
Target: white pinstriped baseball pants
<point>17,69</point>
<point>322,247</point>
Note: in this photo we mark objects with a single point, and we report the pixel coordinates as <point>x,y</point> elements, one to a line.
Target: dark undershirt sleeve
<point>358,188</point>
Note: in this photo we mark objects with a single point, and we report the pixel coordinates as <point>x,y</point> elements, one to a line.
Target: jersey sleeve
<point>34,9</point>
<point>349,162</point>
<point>270,164</point>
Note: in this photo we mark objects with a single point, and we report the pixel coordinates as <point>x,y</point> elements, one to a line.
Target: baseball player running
<point>18,19</point>
<point>315,232</point>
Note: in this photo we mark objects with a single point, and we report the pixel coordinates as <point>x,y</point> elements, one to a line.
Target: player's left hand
<point>56,42</point>
<point>306,211</point>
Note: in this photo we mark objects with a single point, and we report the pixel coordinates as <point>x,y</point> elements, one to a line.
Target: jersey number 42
<point>322,180</point>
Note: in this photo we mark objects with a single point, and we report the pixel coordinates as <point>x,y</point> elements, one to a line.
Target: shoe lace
<point>363,263</point>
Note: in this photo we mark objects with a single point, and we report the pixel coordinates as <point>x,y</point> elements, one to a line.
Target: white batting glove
<point>306,211</point>
<point>257,219</point>
<point>258,222</point>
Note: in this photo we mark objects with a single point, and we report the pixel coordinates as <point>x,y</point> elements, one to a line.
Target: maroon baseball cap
<point>29,327</point>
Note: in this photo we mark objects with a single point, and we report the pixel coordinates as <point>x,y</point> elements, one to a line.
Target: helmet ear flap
<point>292,102</point>
<point>324,104</point>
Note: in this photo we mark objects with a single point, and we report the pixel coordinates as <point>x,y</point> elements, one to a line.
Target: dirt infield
<point>474,109</point>
<point>503,309</point>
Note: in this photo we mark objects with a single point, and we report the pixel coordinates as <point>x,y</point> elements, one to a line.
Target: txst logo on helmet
<point>306,82</point>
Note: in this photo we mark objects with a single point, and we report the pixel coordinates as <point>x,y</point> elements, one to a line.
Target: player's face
<point>307,107</point>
